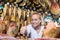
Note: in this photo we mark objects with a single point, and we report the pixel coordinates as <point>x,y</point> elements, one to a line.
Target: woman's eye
<point>35,19</point>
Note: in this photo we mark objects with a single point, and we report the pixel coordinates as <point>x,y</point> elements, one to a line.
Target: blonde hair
<point>37,14</point>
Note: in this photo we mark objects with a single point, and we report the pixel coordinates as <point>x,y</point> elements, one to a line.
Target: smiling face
<point>35,20</point>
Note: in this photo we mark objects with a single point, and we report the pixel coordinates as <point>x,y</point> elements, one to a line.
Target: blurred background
<point>15,14</point>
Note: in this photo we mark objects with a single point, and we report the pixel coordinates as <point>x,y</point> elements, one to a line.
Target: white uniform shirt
<point>33,33</point>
